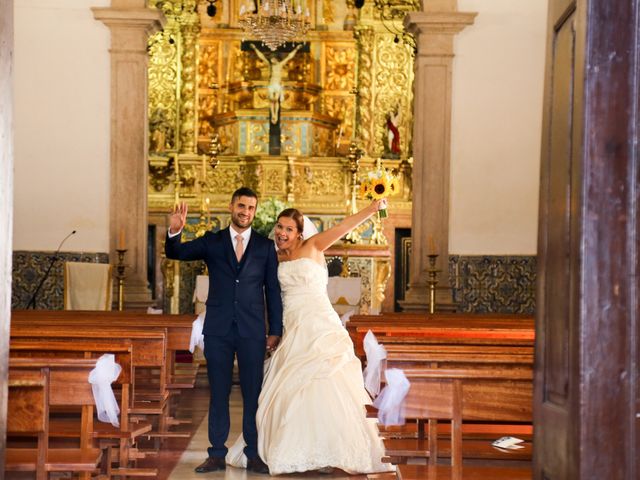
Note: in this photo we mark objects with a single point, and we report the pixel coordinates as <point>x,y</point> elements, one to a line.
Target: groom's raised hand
<point>272,342</point>
<point>178,218</point>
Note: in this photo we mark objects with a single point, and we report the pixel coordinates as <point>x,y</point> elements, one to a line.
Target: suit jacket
<point>237,290</point>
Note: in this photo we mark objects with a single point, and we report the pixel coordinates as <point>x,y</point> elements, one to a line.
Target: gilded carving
<point>163,78</point>
<point>328,11</point>
<point>201,83</point>
<point>393,84</point>
<point>382,269</point>
<point>224,180</point>
<point>160,175</point>
<point>340,59</point>
<point>190,29</point>
<point>206,105</point>
<point>365,37</point>
<point>318,182</point>
<point>274,181</point>
<point>209,64</point>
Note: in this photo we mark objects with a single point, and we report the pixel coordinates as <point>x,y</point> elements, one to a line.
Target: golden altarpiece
<point>210,128</point>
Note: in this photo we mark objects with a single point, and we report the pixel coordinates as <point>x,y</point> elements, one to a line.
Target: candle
<point>204,168</point>
<point>121,239</point>
<point>432,245</point>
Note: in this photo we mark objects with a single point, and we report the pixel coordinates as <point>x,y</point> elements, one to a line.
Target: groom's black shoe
<point>256,465</point>
<point>211,464</point>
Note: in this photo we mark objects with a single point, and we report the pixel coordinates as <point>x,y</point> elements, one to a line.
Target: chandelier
<point>275,22</point>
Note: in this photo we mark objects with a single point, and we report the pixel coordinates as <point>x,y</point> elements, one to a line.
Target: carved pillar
<point>131,24</point>
<point>190,29</point>
<point>434,30</point>
<point>365,36</point>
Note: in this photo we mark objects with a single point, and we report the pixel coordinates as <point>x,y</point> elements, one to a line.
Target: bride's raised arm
<point>325,239</point>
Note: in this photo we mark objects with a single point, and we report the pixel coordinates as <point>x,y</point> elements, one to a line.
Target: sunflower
<point>394,186</point>
<point>379,188</point>
<point>364,189</point>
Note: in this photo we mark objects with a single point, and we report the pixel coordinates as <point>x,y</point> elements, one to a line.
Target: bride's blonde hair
<point>295,215</point>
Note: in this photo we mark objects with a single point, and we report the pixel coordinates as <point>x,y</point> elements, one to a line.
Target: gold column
<point>131,24</point>
<point>434,30</point>
<point>365,36</point>
<point>190,29</point>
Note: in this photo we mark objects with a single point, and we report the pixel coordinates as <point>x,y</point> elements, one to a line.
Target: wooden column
<point>6,205</point>
<point>131,24</point>
<point>434,30</point>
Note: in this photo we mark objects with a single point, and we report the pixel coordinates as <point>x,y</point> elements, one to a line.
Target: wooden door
<point>587,354</point>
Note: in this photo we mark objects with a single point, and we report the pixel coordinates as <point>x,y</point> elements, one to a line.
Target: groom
<point>242,268</point>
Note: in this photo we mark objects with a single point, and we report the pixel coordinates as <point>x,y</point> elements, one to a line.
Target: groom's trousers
<point>219,352</point>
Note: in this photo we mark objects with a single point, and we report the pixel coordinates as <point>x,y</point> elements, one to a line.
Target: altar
<point>301,124</point>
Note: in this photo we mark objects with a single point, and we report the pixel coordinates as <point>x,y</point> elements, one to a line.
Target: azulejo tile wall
<point>493,284</point>
<point>29,268</point>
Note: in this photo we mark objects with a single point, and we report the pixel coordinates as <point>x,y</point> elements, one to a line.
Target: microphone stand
<point>32,302</point>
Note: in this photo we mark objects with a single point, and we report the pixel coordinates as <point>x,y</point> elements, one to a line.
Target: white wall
<point>496,128</point>
<point>61,126</point>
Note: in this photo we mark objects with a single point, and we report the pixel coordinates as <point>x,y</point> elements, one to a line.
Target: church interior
<point>126,108</point>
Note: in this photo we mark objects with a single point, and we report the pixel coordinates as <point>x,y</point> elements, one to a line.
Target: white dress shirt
<point>246,235</point>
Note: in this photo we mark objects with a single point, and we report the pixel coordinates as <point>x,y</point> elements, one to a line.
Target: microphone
<point>32,302</point>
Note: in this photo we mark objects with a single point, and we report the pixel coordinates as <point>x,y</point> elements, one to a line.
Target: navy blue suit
<point>235,324</point>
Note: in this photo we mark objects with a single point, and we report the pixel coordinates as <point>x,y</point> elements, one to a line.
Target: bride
<point>311,412</point>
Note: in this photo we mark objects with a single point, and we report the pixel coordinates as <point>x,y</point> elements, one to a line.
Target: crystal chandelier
<point>275,22</point>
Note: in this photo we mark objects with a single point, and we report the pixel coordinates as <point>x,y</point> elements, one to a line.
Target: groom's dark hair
<point>243,192</point>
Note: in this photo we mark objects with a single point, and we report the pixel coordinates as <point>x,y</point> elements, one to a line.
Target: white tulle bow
<point>375,354</point>
<point>390,402</point>
<point>197,338</point>
<point>100,378</point>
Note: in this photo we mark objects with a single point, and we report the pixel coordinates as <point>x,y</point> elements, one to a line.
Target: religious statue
<point>275,89</point>
<point>393,133</point>
<point>160,131</point>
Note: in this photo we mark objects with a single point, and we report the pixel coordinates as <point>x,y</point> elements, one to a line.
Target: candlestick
<point>120,275</point>
<point>121,239</point>
<point>432,245</point>
<point>432,281</point>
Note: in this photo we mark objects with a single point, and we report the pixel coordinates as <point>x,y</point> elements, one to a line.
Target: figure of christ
<point>274,89</point>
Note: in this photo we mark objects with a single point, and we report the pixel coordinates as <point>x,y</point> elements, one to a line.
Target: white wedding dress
<point>311,412</point>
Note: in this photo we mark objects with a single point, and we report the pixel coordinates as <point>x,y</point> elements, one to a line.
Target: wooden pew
<point>457,395</point>
<point>149,352</point>
<point>177,327</point>
<point>462,329</point>
<point>125,436</point>
<point>456,356</point>
<point>35,386</point>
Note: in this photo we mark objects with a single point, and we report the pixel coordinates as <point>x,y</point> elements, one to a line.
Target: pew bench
<point>149,395</point>
<point>35,385</point>
<point>485,329</point>
<point>124,437</point>
<point>176,327</point>
<point>457,395</point>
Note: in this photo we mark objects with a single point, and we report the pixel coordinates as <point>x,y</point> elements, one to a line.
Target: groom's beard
<point>240,223</point>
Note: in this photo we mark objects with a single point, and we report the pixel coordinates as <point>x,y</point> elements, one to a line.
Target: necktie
<point>239,247</point>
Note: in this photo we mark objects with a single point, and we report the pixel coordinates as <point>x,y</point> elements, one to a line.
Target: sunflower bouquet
<point>378,184</point>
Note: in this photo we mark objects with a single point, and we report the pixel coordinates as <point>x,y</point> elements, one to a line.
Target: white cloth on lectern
<point>390,402</point>
<point>197,338</point>
<point>375,354</point>
<point>100,378</point>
